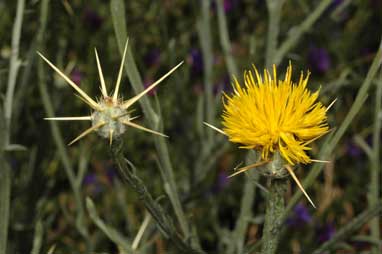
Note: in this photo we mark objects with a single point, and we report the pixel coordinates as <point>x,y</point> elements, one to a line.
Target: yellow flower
<point>111,114</point>
<point>272,115</point>
<point>275,117</point>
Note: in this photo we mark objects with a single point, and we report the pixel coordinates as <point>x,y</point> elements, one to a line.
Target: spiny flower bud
<point>110,117</point>
<point>113,116</point>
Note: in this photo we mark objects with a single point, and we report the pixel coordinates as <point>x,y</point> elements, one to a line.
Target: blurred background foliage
<point>338,50</point>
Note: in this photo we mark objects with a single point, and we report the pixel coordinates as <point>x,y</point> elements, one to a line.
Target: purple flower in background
<point>92,19</point>
<point>223,85</point>
<point>222,180</point>
<point>353,150</point>
<point>300,216</point>
<point>89,179</point>
<point>111,174</point>
<point>228,5</point>
<point>92,183</point>
<point>319,59</point>
<point>195,59</point>
<point>335,3</point>
<point>76,76</point>
<point>326,232</point>
<point>152,57</point>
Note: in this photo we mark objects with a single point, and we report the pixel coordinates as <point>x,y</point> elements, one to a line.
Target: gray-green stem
<point>5,170</point>
<point>153,119</point>
<point>275,206</point>
<point>5,195</point>
<point>162,219</point>
<point>375,165</point>
<point>275,203</point>
<point>274,16</point>
<point>204,32</point>
<point>225,41</point>
<point>14,66</point>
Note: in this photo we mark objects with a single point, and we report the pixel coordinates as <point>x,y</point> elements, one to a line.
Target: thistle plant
<point>279,119</point>
<point>111,114</point>
<point>109,119</point>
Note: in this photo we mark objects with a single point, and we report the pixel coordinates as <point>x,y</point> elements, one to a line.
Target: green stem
<point>274,16</point>
<point>119,22</point>
<point>5,195</point>
<point>13,69</point>
<point>247,200</point>
<point>38,237</point>
<point>160,216</point>
<point>225,41</point>
<point>275,205</point>
<point>204,32</point>
<point>5,170</point>
<point>375,167</point>
<point>296,32</point>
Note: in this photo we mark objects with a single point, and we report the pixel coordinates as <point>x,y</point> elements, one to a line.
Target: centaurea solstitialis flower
<point>110,115</point>
<point>278,118</point>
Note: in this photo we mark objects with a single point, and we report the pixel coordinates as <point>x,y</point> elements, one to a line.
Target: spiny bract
<point>110,116</point>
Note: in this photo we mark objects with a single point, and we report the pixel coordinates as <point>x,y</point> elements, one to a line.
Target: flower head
<point>278,118</point>
<point>111,114</point>
<point>196,60</point>
<point>272,115</point>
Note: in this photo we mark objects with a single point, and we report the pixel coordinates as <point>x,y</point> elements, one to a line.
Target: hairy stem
<point>119,22</point>
<point>275,206</point>
<point>162,219</point>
